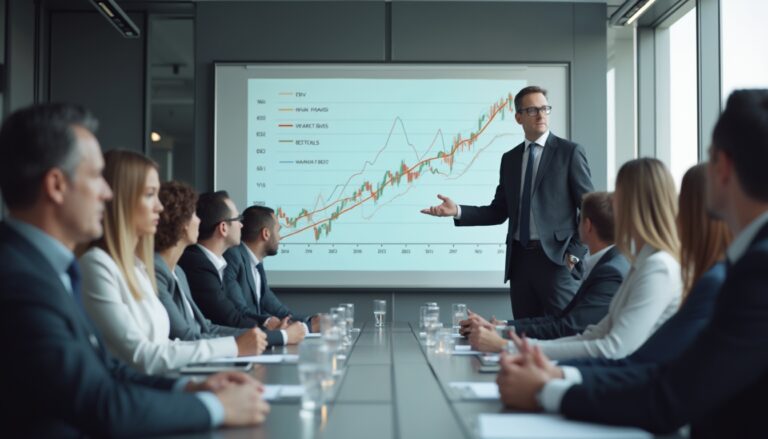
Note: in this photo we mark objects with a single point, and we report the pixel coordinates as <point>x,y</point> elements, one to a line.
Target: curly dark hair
<point>179,200</point>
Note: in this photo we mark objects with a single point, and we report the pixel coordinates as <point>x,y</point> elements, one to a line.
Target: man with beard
<point>245,269</point>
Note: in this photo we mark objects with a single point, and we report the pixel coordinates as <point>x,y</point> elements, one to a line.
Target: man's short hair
<point>212,209</point>
<point>598,208</point>
<point>35,140</point>
<point>741,133</point>
<point>179,203</point>
<point>531,89</point>
<point>255,219</point>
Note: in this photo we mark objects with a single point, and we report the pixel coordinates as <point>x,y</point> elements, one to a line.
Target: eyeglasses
<point>534,111</point>
<point>229,220</point>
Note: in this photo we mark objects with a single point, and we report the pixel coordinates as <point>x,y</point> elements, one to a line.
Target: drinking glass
<point>445,341</point>
<point>380,312</point>
<point>432,323</point>
<point>459,313</point>
<point>350,315</point>
<point>314,369</point>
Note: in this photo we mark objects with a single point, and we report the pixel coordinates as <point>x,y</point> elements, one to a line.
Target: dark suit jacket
<point>56,376</point>
<point>588,306</point>
<point>184,326</point>
<point>718,384</point>
<point>562,178</point>
<point>220,305</point>
<point>238,277</point>
<point>669,341</point>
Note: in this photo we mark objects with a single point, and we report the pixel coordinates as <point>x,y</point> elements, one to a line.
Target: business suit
<point>669,341</point>
<point>718,384</point>
<point>588,306</point>
<point>57,378</point>
<point>217,303</point>
<point>183,325</point>
<point>238,277</point>
<point>540,282</point>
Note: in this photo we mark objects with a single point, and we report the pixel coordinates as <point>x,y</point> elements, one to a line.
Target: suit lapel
<point>62,298</point>
<point>246,259</point>
<point>587,283</point>
<point>546,157</point>
<point>516,163</point>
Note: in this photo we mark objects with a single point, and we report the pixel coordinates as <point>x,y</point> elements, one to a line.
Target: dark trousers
<point>538,286</point>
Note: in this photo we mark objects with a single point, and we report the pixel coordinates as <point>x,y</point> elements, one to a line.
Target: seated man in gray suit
<point>245,268</point>
<point>177,229</point>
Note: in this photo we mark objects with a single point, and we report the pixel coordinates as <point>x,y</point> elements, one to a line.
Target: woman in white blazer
<point>119,290</point>
<point>645,207</point>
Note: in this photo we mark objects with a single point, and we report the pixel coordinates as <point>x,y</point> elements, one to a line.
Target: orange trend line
<point>391,179</point>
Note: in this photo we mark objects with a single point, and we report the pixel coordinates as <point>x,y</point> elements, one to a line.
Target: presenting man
<point>541,184</point>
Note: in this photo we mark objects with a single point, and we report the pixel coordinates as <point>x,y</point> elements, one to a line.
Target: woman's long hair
<point>703,239</point>
<point>126,172</point>
<point>646,207</point>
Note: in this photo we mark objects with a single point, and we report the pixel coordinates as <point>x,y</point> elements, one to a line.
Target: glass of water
<point>444,341</point>
<point>380,312</point>
<point>332,337</point>
<point>340,317</point>
<point>350,315</point>
<point>432,324</point>
<point>314,370</point>
<point>458,313</point>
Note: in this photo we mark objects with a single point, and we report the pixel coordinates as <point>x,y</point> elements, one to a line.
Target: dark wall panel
<point>482,31</point>
<point>93,65</point>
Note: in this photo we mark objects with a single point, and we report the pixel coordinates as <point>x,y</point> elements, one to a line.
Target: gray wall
<point>430,31</point>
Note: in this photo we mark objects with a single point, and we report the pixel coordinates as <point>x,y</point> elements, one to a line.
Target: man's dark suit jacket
<point>217,303</point>
<point>562,179</point>
<point>718,385</point>
<point>56,376</point>
<point>238,277</point>
<point>669,341</point>
<point>184,326</point>
<point>588,306</point>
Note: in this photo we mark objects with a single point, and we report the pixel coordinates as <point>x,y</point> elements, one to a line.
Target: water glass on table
<point>379,312</point>
<point>314,370</point>
<point>350,315</point>
<point>458,313</point>
<point>432,324</point>
<point>444,341</point>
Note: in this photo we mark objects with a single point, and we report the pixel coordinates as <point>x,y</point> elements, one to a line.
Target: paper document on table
<point>464,350</point>
<point>540,426</point>
<point>476,390</point>
<point>313,335</point>
<point>262,359</point>
<point>277,391</point>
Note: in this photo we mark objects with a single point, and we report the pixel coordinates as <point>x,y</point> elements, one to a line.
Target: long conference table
<point>392,387</point>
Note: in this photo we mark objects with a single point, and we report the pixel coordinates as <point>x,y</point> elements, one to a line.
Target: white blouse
<point>649,295</point>
<point>137,332</point>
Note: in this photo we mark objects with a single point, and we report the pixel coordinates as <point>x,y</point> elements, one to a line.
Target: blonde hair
<point>703,239</point>
<point>126,172</point>
<point>646,207</point>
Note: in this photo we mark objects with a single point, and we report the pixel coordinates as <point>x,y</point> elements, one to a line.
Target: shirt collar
<point>254,260</point>
<point>644,253</point>
<point>541,141</point>
<point>56,253</point>
<point>591,260</point>
<point>741,243</point>
<point>218,261</point>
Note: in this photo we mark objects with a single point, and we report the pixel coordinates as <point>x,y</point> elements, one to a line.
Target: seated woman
<point>644,209</point>
<point>119,291</point>
<point>703,241</point>
<point>177,229</point>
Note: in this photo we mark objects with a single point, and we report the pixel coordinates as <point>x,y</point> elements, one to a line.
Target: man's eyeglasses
<point>229,220</point>
<point>534,111</point>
